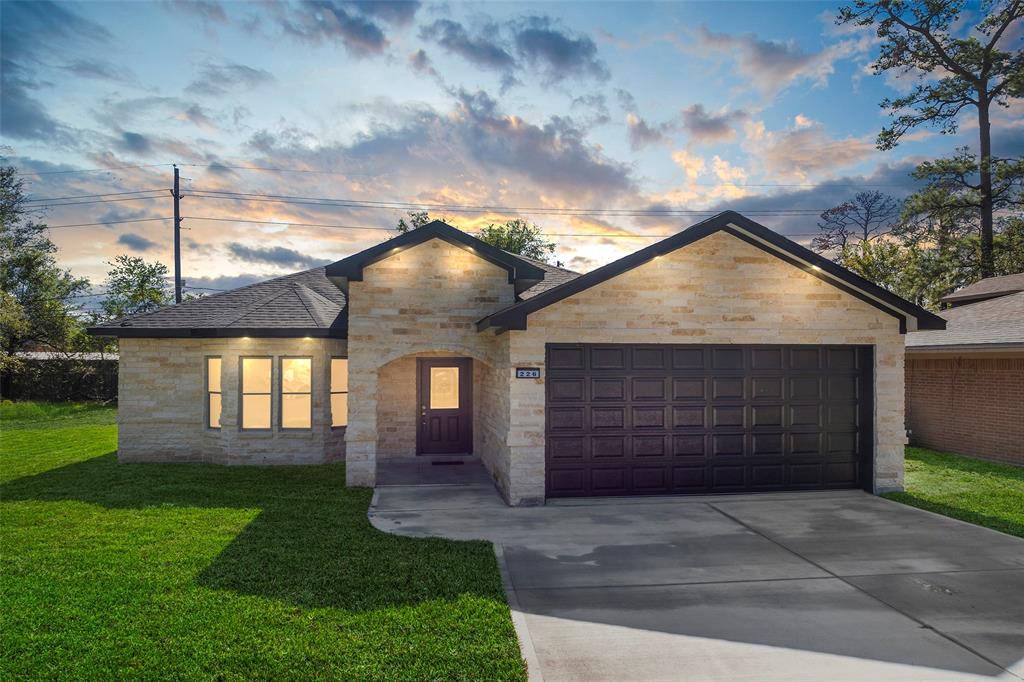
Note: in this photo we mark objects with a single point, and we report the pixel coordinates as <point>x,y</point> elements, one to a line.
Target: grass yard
<point>984,493</point>
<point>194,571</point>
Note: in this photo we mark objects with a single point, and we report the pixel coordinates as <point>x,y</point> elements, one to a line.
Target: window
<point>339,391</point>
<point>213,393</point>
<point>296,393</point>
<point>256,393</point>
<point>444,388</point>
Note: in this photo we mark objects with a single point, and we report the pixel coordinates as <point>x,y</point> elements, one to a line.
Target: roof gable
<point>522,273</point>
<point>515,316</point>
<point>990,287</point>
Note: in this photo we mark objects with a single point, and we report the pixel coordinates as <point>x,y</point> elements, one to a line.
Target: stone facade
<point>424,300</point>
<point>162,403</point>
<point>717,290</point>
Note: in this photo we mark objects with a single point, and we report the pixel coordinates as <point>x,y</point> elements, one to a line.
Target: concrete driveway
<point>801,586</point>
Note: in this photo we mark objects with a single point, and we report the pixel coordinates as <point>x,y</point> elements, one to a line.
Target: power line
<point>470,208</point>
<point>276,170</point>
<point>90,196</point>
<point>391,229</point>
<point>95,170</point>
<point>93,201</point>
<point>107,222</point>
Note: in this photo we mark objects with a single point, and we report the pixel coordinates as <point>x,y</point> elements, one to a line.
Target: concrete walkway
<point>800,586</point>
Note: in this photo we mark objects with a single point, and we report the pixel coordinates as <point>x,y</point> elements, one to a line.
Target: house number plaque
<point>527,373</point>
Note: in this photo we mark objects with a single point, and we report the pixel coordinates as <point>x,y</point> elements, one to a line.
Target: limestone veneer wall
<point>717,290</point>
<point>424,299</point>
<point>161,403</point>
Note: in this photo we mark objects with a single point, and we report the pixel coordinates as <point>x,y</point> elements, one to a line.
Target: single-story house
<point>965,384</point>
<point>725,358</point>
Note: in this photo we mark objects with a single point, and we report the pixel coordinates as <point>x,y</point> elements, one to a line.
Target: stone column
<point>361,432</point>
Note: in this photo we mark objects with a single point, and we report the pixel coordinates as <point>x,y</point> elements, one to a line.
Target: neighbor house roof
<point>301,304</point>
<point>990,287</point>
<point>990,325</point>
<point>515,316</point>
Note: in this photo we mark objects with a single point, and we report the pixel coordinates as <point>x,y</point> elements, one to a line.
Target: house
<point>725,358</point>
<point>965,384</point>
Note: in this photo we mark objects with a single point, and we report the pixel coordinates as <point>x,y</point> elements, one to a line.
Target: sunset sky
<point>607,108</point>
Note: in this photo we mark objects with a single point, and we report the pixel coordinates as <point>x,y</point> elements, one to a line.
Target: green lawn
<point>981,492</point>
<point>194,571</point>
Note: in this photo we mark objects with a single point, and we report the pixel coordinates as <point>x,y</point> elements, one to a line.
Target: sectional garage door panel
<point>668,419</point>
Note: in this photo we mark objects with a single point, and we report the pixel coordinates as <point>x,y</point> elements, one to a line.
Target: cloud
<point>397,12</point>
<point>626,100</point>
<point>772,65</point>
<point>207,10</point>
<point>494,153</point>
<point>99,69</point>
<point>218,79</point>
<point>350,24</point>
<point>23,116</point>
<point>420,62</point>
<point>556,53</point>
<point>642,134</point>
<point>536,43</point>
<point>480,50</point>
<point>136,242</point>
<point>223,283</point>
<point>705,127</point>
<point>28,31</point>
<point>691,164</point>
<point>273,255</point>
<point>134,143</point>
<point>805,151</point>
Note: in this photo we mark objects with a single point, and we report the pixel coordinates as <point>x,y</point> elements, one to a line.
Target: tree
<point>520,237</point>
<point>40,300</point>
<point>866,216</point>
<point>416,219</point>
<point>517,236</point>
<point>134,286</point>
<point>954,74</point>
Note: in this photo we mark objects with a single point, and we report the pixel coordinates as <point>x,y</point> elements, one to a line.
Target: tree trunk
<point>985,168</point>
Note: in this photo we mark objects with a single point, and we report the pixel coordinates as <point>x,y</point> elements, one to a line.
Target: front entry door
<point>445,402</point>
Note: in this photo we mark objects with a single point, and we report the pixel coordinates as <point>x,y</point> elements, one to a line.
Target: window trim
<point>207,392</point>
<point>281,393</point>
<point>242,394</point>
<point>331,391</point>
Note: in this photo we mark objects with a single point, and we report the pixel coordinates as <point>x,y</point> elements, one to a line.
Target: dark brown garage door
<point>667,419</point>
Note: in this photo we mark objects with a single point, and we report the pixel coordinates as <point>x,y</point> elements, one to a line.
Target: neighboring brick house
<point>965,384</point>
<point>725,358</point>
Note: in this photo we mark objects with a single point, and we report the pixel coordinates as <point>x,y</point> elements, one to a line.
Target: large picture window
<point>296,393</point>
<point>256,382</point>
<point>213,394</point>
<point>339,391</point>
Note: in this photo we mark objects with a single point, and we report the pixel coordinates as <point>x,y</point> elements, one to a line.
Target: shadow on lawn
<point>310,545</point>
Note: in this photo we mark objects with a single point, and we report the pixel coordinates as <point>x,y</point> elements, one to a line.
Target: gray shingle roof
<point>301,303</point>
<point>988,288</point>
<point>304,303</point>
<point>997,322</point>
<point>553,276</point>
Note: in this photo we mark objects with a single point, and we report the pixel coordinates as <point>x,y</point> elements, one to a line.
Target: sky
<point>589,119</point>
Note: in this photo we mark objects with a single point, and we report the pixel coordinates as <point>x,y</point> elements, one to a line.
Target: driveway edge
<point>518,619</point>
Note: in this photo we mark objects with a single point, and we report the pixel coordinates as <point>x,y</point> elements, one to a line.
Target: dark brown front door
<point>445,402</point>
<point>700,419</point>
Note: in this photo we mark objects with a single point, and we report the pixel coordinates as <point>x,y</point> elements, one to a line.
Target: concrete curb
<point>518,619</point>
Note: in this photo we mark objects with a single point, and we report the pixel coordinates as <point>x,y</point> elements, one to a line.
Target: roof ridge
<point>261,304</point>
<point>301,291</point>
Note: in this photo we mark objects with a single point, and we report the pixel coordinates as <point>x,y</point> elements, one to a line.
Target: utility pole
<point>177,238</point>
